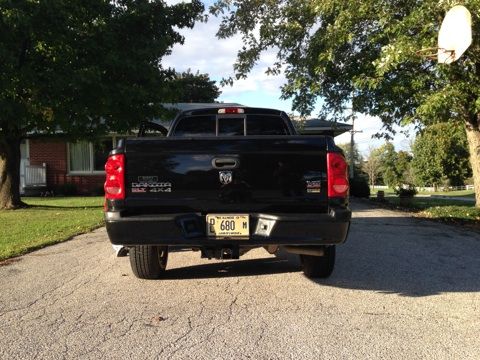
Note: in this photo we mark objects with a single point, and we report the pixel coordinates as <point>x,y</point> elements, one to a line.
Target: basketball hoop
<point>454,37</point>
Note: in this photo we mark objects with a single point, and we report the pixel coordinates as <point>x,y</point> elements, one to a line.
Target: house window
<point>87,157</point>
<point>79,156</point>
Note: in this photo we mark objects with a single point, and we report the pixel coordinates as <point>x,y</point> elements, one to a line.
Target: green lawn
<point>389,191</point>
<point>459,193</point>
<point>453,213</point>
<point>443,209</point>
<point>47,221</point>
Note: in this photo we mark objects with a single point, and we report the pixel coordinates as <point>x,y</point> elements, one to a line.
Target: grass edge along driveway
<point>47,221</point>
<point>446,210</point>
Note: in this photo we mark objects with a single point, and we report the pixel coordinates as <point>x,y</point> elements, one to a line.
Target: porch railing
<point>35,176</point>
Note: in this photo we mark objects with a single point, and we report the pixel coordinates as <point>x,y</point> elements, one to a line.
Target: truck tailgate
<point>272,174</point>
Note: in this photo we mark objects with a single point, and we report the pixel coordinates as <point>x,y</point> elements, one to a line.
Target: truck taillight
<point>337,171</point>
<point>115,177</point>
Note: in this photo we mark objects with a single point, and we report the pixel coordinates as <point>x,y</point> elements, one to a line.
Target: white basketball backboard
<point>455,34</point>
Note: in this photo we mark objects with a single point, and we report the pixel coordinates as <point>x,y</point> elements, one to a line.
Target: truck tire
<point>319,266</point>
<point>148,261</point>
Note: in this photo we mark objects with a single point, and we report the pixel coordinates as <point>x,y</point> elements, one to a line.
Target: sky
<point>202,51</point>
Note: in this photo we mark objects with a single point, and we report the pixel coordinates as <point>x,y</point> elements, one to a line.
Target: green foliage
<point>86,67</point>
<point>403,168</point>
<point>372,166</point>
<point>67,189</point>
<point>363,54</point>
<point>388,157</point>
<point>83,68</point>
<point>445,210</point>
<point>195,88</point>
<point>441,155</point>
<point>453,213</point>
<point>97,191</point>
<point>369,49</point>
<point>394,166</point>
<point>408,191</point>
<point>359,187</point>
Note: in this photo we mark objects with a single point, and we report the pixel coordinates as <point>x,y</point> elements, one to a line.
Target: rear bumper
<point>265,229</point>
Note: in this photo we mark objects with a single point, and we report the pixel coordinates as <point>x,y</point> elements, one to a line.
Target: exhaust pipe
<point>306,250</point>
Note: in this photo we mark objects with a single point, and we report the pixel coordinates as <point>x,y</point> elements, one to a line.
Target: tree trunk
<point>473,137</point>
<point>10,173</point>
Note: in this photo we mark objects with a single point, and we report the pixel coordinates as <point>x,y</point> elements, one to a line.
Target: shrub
<point>98,191</point>
<point>67,189</point>
<point>406,191</point>
<point>359,187</point>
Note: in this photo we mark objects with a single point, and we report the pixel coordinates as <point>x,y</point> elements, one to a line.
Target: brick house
<point>64,167</point>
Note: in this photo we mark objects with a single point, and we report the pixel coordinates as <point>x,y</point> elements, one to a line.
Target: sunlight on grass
<point>443,209</point>
<point>463,213</point>
<point>47,221</point>
<point>458,193</point>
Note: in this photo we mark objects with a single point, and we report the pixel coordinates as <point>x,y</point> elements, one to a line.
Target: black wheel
<point>319,266</point>
<point>148,262</point>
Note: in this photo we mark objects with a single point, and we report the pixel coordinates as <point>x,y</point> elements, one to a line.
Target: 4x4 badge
<point>226,177</point>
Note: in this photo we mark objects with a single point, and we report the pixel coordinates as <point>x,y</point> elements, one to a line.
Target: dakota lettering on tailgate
<point>150,184</point>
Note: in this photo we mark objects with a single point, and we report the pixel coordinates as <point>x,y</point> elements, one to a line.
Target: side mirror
<point>148,125</point>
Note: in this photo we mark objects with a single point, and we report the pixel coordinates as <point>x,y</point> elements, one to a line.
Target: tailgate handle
<point>225,163</point>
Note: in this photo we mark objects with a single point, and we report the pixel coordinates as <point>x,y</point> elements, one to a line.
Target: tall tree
<point>82,68</point>
<point>196,87</point>
<point>366,54</point>
<point>440,155</point>
<point>372,165</point>
<point>388,159</point>
<point>403,168</point>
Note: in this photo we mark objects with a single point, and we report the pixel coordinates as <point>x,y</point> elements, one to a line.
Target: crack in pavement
<point>42,297</point>
<point>229,285</point>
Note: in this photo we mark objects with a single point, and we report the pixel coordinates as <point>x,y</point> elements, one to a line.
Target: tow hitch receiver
<point>221,253</point>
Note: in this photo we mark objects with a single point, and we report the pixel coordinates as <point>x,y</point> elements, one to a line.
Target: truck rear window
<point>231,126</point>
<point>266,125</point>
<point>195,126</point>
<point>201,126</point>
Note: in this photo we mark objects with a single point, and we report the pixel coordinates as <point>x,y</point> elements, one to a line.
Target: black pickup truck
<point>225,180</point>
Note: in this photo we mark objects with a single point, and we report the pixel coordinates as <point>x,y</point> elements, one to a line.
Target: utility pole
<point>352,146</point>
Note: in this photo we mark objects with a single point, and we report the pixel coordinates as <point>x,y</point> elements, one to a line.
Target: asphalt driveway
<point>402,288</point>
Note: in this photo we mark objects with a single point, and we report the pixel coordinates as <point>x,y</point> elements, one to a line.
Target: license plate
<point>228,225</point>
